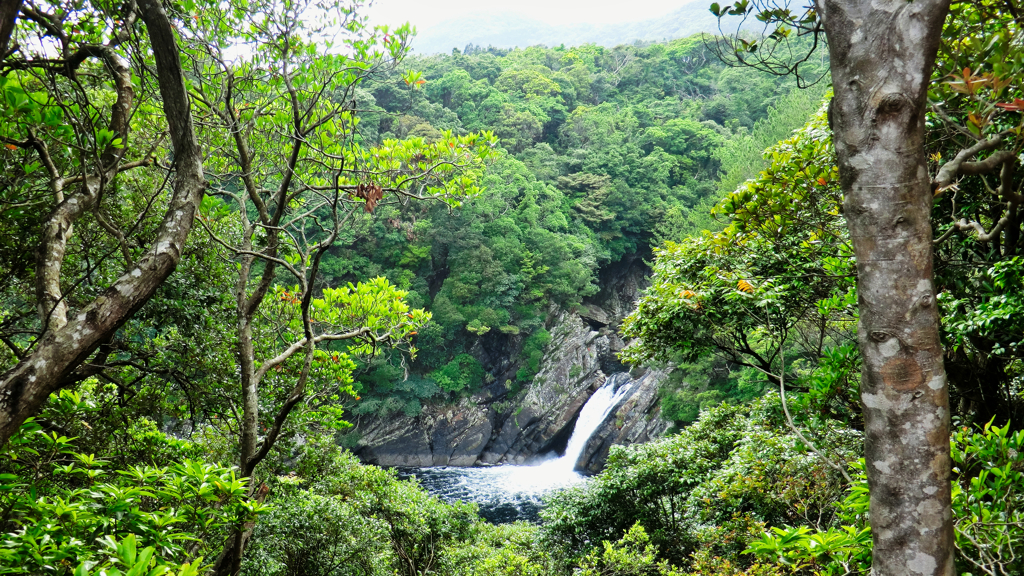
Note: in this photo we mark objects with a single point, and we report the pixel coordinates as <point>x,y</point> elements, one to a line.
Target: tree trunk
<point>25,387</point>
<point>882,54</point>
<point>248,432</point>
<point>8,16</point>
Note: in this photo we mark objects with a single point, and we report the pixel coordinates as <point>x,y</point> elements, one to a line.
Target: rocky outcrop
<point>445,435</point>
<point>569,374</point>
<point>492,428</point>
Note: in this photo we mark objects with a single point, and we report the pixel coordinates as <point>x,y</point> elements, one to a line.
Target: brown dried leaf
<point>371,193</point>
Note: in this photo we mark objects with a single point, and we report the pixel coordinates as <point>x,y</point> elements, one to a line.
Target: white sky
<point>426,13</point>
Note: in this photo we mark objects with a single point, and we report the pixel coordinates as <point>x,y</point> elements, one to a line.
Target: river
<point>509,493</point>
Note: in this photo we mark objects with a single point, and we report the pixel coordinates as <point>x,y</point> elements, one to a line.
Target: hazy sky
<point>425,13</point>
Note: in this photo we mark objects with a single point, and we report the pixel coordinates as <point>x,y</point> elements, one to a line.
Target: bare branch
<point>950,169</point>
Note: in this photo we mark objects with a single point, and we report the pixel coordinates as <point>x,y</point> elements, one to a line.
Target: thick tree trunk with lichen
<point>64,347</point>
<point>882,55</point>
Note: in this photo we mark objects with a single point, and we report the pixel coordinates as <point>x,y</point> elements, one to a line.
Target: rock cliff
<point>493,428</point>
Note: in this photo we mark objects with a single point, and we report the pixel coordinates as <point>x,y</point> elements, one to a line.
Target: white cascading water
<point>597,408</point>
<point>558,472</point>
<point>516,485</point>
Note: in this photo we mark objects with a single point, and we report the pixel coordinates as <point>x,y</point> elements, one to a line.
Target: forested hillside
<point>609,151</point>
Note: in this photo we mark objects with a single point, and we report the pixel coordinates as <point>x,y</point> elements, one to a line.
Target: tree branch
<point>296,346</point>
<point>57,229</point>
<point>949,170</point>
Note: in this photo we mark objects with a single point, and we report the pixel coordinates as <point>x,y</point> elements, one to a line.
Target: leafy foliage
<point>340,517</point>
<point>707,488</point>
<point>65,511</point>
<point>987,499</point>
<point>772,293</point>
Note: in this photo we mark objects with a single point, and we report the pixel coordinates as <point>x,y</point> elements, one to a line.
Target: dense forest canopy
<point>608,151</point>
<point>373,232</point>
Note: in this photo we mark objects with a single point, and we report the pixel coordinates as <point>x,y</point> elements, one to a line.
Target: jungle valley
<point>256,254</point>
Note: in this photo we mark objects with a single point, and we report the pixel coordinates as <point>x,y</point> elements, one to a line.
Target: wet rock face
<point>452,435</point>
<point>569,373</point>
<point>489,429</point>
<point>395,442</point>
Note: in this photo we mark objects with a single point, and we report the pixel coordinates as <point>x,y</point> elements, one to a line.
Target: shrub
<point>533,352</point>
<point>339,517</point>
<point>499,550</point>
<point>463,373</point>
<point>708,488</point>
<point>64,511</point>
<point>988,514</point>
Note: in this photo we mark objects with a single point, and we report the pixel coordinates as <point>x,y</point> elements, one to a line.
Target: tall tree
<point>882,55</point>
<point>58,120</point>
<point>288,208</point>
<point>288,176</point>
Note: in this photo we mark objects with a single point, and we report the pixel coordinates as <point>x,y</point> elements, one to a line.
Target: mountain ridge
<point>511,29</point>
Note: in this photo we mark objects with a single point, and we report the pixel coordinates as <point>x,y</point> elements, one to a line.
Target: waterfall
<point>512,491</point>
<point>597,408</point>
<point>560,471</point>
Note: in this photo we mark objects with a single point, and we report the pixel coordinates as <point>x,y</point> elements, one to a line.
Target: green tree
<point>773,289</point>
<point>888,198</point>
<point>279,214</point>
<point>43,110</point>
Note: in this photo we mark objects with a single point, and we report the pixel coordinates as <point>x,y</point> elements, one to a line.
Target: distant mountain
<point>509,30</point>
